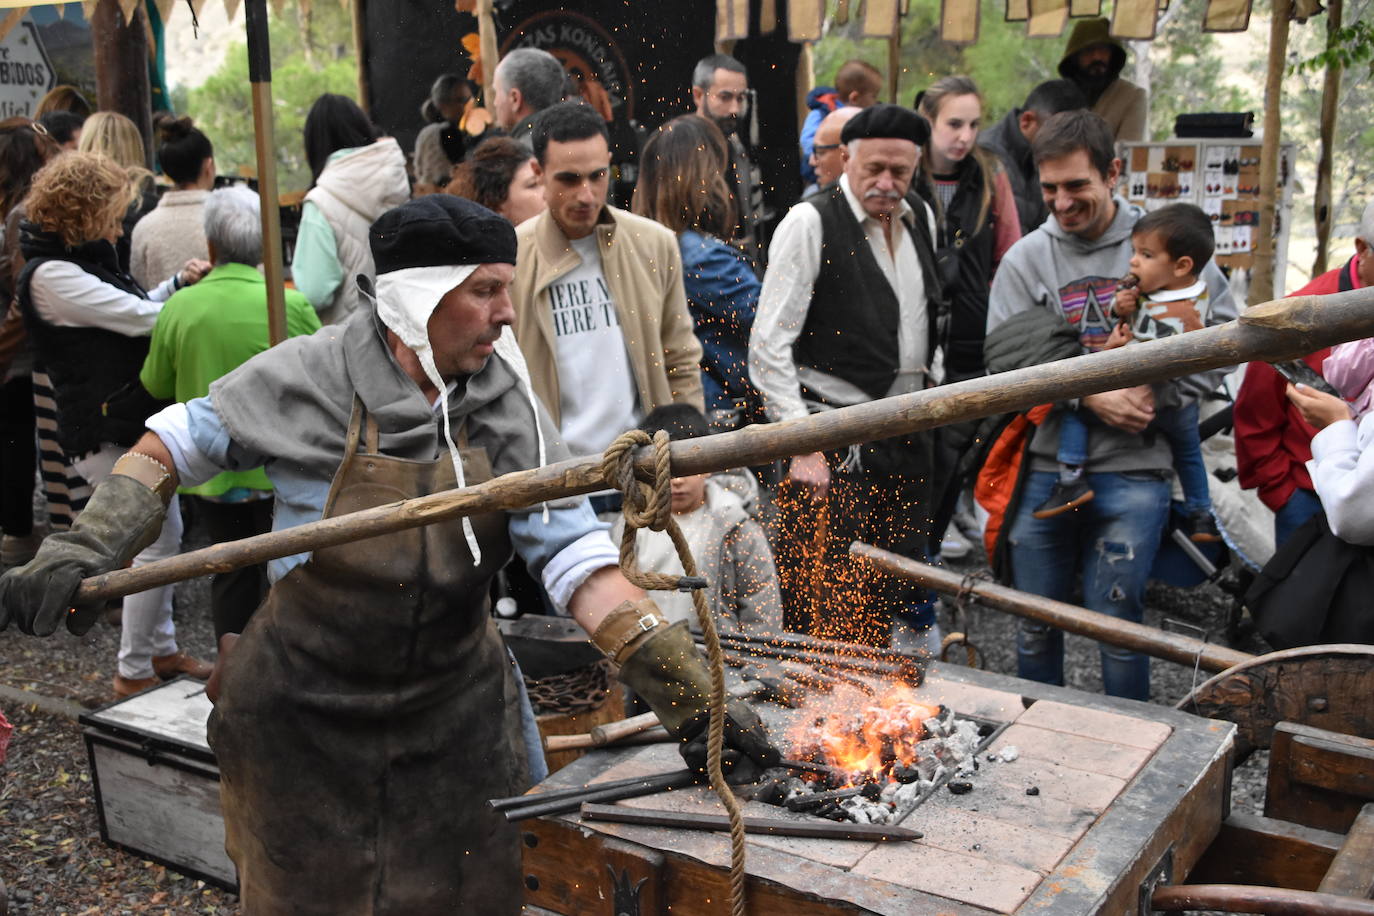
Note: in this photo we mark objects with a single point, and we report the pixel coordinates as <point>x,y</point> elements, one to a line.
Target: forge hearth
<point>1083,798</point>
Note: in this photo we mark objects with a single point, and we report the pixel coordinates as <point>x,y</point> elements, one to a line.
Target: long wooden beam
<point>1102,627</point>
<point>1280,330</point>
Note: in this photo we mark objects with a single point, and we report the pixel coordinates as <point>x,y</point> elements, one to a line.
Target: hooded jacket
<point>1077,277</point>
<point>1122,104</point>
<point>353,190</point>
<point>1006,140</point>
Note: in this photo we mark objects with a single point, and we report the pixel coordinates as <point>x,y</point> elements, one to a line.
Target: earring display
<point>1221,177</point>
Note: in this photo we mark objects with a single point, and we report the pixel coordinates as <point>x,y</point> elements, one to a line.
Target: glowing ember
<point>869,742</point>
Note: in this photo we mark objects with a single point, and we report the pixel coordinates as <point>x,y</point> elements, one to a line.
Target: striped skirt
<point>64,489</point>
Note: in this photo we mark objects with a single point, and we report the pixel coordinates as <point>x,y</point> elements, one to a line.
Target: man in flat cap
<point>369,709</point>
<point>847,315</point>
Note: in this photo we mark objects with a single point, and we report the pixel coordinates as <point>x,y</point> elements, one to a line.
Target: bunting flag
<point>1048,17</point>
<point>768,16</point>
<point>841,12</point>
<point>231,8</point>
<point>128,7</point>
<point>164,8</point>
<point>11,20</point>
<point>1226,16</point>
<point>1018,10</point>
<point>805,20</point>
<point>732,20</point>
<point>1134,20</point>
<point>1304,10</point>
<point>1079,9</point>
<point>880,18</point>
<point>959,21</point>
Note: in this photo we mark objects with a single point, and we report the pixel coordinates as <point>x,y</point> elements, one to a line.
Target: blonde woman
<point>89,322</point>
<point>116,137</point>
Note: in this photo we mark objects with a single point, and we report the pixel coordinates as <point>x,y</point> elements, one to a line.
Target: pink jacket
<point>1350,368</point>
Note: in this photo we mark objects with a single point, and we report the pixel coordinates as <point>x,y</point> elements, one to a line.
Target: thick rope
<point>651,507</point>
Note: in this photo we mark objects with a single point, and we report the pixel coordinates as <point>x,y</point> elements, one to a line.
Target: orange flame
<point>883,734</point>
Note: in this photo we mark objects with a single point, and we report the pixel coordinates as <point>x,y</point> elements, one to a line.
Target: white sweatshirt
<point>1342,469</point>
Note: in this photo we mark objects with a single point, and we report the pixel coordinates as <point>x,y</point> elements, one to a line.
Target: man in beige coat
<point>1094,60</point>
<point>600,311</point>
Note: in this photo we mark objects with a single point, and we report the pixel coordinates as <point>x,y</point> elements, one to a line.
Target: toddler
<point>1161,296</point>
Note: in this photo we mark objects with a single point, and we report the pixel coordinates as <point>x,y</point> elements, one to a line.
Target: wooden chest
<point>1124,793</point>
<point>156,782</point>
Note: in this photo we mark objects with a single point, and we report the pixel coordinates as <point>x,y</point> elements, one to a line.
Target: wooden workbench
<point>1124,789</point>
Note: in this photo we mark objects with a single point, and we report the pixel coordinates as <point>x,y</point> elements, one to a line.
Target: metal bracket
<point>1160,875</point>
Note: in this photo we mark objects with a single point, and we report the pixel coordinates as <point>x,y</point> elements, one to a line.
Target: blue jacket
<point>822,100</point>
<point>723,296</point>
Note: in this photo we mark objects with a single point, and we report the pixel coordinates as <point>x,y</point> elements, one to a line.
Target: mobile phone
<point>1299,373</point>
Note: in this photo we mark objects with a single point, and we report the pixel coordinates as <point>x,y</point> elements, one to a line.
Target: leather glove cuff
<point>626,627</point>
<point>666,670</point>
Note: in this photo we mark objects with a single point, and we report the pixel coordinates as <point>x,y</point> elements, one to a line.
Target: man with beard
<point>1069,268</point>
<point>846,315</point>
<point>1094,60</point>
<point>720,90</point>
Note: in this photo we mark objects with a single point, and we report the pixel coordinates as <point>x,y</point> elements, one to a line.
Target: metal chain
<point>651,507</point>
<point>959,621</point>
<point>581,690</point>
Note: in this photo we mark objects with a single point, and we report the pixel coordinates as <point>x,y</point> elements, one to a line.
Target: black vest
<point>964,256</point>
<point>851,325</point>
<point>88,367</point>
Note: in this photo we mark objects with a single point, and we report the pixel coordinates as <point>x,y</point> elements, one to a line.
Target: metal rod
<point>827,830</point>
<point>1273,331</point>
<point>586,742</point>
<point>1269,901</point>
<point>521,801</point>
<point>1101,627</point>
<point>647,786</point>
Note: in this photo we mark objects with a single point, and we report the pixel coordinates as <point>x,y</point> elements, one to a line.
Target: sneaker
<point>954,546</point>
<point>17,551</point>
<point>1065,496</point>
<point>1201,528</point>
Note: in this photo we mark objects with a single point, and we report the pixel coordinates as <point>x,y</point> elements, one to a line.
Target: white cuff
<point>564,574</point>
<point>172,425</point>
<point>1336,437</point>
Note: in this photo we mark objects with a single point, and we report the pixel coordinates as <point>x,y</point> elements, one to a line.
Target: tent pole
<point>1331,90</point>
<point>260,79</point>
<point>1262,273</point>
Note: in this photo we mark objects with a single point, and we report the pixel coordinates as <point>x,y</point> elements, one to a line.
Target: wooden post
<point>894,61</point>
<point>1331,90</point>
<point>1262,273</point>
<point>260,79</point>
<point>360,53</point>
<point>121,67</point>
<point>1274,331</point>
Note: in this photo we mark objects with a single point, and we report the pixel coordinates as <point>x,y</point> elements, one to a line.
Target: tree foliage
<point>312,53</point>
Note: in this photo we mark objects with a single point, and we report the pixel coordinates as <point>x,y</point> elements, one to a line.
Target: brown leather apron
<point>370,710</point>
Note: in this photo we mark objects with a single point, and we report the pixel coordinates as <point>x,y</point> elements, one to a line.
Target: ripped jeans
<point>1112,540</point>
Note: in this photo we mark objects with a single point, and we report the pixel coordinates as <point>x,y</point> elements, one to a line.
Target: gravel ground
<point>53,861</point>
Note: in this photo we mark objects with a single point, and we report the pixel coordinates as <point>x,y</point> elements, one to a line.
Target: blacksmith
<point>847,315</point>
<point>369,708</point>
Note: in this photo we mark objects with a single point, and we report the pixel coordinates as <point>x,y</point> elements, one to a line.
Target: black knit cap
<point>891,122</point>
<point>440,230</point>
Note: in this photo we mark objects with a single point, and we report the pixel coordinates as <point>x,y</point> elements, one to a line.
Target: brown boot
<point>128,686</point>
<point>169,666</point>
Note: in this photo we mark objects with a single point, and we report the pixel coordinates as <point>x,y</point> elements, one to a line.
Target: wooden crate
<point>156,782</point>
<point>1124,791</point>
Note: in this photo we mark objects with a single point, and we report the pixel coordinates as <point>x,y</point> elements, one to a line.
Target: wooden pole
<point>1331,90</point>
<point>894,61</point>
<point>359,15</point>
<point>260,79</point>
<point>1102,627</point>
<point>121,67</point>
<point>1262,273</point>
<point>1274,331</point>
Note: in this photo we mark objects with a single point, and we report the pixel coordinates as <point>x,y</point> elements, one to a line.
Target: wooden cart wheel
<point>1322,686</point>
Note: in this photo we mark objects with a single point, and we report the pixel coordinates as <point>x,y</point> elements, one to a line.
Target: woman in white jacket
<point>1342,465</point>
<point>358,176</point>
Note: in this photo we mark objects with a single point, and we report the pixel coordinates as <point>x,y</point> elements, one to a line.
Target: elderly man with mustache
<point>847,315</point>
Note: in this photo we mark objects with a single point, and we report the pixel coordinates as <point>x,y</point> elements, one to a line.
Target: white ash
<point>1009,753</point>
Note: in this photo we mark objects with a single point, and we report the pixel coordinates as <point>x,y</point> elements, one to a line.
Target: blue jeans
<point>1176,424</point>
<point>1112,540</point>
<point>1301,506</point>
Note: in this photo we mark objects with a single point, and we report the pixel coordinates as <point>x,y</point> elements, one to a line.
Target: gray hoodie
<point>1052,269</point>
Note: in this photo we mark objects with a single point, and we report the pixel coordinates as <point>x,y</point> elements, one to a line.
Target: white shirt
<point>794,261</point>
<point>68,297</point>
<point>1342,469</point>
<point>598,393</point>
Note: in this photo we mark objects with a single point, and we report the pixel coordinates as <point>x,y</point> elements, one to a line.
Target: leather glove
<point>666,670</point>
<point>122,517</point>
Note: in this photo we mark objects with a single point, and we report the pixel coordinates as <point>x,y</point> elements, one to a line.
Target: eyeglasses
<point>730,97</point>
<point>824,147</point>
